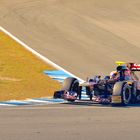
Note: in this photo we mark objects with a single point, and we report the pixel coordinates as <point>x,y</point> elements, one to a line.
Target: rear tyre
<point>124,90</point>
<point>126,94</point>
<point>89,93</point>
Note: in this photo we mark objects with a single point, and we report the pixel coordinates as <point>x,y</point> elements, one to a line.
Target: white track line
<point>38,54</point>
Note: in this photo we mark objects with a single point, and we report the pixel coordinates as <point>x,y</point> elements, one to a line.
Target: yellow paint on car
<point>116,99</point>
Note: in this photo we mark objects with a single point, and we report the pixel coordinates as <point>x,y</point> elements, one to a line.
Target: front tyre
<point>71,84</point>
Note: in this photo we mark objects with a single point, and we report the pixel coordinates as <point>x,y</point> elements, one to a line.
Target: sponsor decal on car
<point>116,99</point>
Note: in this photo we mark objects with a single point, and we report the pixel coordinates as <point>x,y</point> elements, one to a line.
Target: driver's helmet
<point>106,77</point>
<point>95,79</point>
<point>119,68</point>
<point>113,74</point>
<point>125,73</point>
<point>124,68</point>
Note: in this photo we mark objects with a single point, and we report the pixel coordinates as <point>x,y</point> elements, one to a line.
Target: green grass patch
<point>21,72</point>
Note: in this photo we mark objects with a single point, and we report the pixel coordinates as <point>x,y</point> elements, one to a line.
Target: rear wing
<point>134,67</point>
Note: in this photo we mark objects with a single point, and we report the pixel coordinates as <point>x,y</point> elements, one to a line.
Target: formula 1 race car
<point>122,88</point>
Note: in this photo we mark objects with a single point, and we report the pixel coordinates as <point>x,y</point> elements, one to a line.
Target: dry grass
<point>21,73</point>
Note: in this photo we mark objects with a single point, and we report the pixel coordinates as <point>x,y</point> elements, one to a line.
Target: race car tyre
<point>70,100</point>
<point>80,92</point>
<point>58,94</point>
<point>124,90</point>
<point>89,93</point>
<point>126,94</point>
<point>71,84</point>
<point>138,96</point>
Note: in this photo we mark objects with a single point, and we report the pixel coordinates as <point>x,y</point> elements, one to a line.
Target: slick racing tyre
<point>58,94</point>
<point>124,90</point>
<point>126,94</point>
<point>71,84</point>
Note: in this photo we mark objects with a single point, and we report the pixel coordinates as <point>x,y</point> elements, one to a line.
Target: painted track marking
<point>41,100</point>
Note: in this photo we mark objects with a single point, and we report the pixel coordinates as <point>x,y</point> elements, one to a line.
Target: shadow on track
<point>90,103</point>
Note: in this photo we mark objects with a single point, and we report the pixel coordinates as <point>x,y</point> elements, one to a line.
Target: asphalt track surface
<point>85,38</point>
<point>69,122</point>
